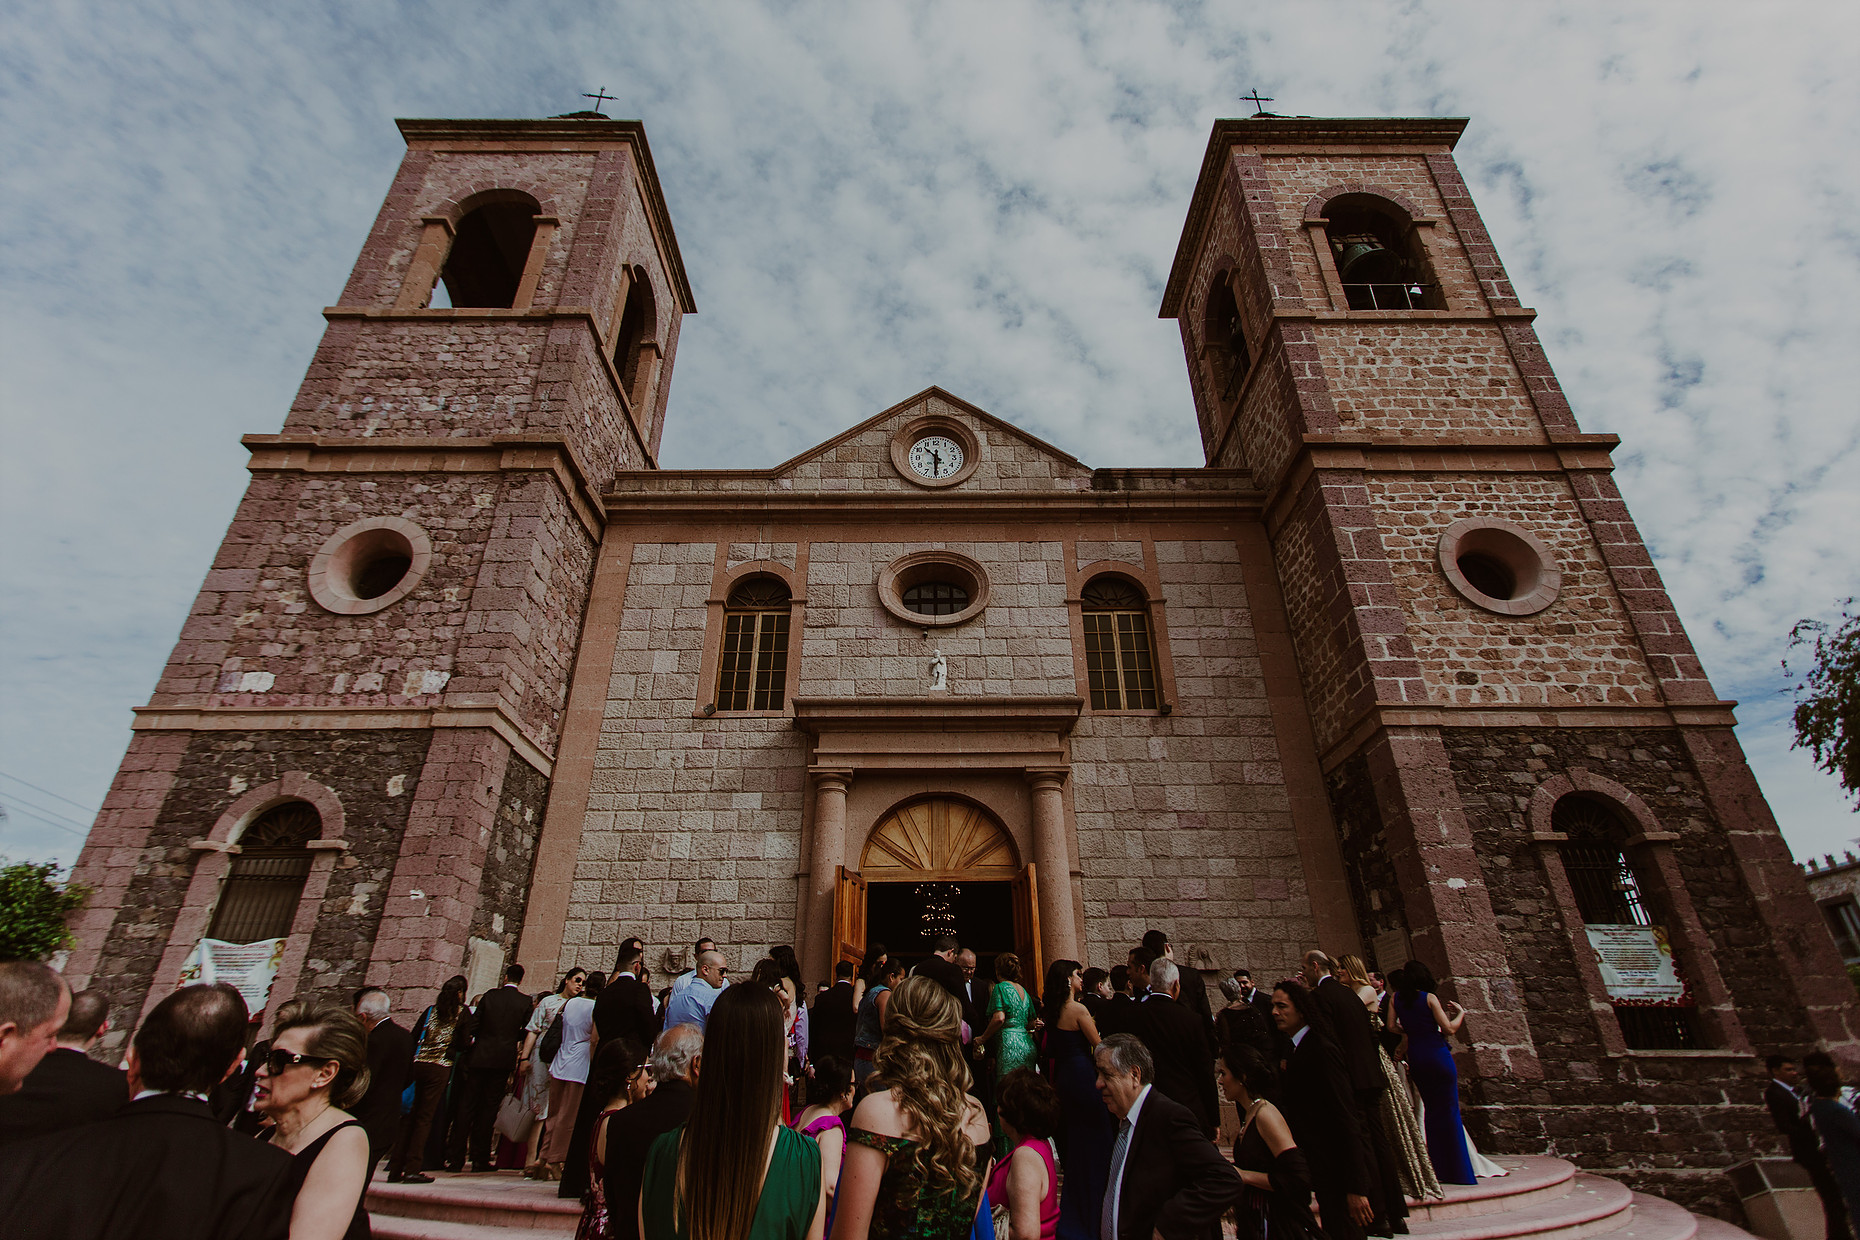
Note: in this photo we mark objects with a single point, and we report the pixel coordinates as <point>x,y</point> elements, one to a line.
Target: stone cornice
<point>559,133</point>
<point>1426,133</point>
<point>654,505</point>
<point>412,454</point>
<point>937,712</point>
<point>497,719</point>
<point>936,731</point>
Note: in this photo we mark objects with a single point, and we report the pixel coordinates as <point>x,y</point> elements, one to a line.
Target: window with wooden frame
<point>266,878</point>
<point>1608,893</point>
<point>753,671</point>
<point>1120,659</point>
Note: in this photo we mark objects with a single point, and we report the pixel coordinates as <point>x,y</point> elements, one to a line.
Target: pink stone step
<point>1591,1205</point>
<point>495,1204</point>
<point>1656,1218</point>
<point>1530,1181</point>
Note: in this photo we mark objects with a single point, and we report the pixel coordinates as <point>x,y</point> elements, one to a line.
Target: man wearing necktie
<point>1167,1180</point>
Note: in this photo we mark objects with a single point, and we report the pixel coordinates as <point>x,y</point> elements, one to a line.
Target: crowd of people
<point>900,1103</point>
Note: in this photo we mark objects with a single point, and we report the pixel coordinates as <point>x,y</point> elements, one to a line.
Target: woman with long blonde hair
<point>917,1145</point>
<point>734,1171</point>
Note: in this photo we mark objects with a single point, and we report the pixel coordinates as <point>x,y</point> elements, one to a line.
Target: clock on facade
<point>936,456</point>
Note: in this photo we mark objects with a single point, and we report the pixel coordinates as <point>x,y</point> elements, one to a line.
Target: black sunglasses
<point>277,1061</point>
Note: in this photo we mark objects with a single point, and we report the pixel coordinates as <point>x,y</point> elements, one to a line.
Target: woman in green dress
<point>734,1171</point>
<point>917,1146</point>
<point>1011,1017</point>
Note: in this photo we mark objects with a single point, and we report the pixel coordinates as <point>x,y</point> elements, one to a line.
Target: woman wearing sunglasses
<point>317,1066</point>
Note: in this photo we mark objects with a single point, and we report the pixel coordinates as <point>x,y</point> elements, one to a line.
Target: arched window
<point>266,878</point>
<point>1223,341</point>
<point>1608,893</point>
<point>633,337</point>
<point>754,669</point>
<point>491,247</point>
<point>1380,259</point>
<point>1120,663</point>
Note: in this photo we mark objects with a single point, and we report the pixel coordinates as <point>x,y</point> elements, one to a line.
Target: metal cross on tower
<point>1258,101</point>
<point>600,96</point>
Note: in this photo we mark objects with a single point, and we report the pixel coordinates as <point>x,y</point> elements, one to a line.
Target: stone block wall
<point>375,774</point>
<point>1666,1122</point>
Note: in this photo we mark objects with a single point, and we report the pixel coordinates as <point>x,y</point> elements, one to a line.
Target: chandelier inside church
<point>938,901</point>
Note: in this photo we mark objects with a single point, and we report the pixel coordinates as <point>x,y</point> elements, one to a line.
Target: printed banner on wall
<point>247,967</point>
<point>1636,964</point>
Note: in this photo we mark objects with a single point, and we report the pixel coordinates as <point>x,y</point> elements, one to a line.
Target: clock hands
<point>936,462</point>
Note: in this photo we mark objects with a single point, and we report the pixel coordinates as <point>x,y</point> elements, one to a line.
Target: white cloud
<point>874,198</point>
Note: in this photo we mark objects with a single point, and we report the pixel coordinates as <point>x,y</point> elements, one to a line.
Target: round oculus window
<point>369,565</point>
<point>936,456</point>
<point>933,589</point>
<point>1499,566</point>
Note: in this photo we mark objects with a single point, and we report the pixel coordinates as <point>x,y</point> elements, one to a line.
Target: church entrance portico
<point>928,809</point>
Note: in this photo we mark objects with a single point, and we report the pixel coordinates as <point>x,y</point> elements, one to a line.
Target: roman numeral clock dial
<point>936,456</point>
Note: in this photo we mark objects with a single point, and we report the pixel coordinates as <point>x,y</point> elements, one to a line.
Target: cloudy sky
<point>873,198</point>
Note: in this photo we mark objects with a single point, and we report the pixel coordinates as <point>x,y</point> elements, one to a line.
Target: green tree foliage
<point>33,906</point>
<point>1827,697</point>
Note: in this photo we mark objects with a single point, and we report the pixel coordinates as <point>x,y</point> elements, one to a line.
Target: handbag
<point>552,1040</point>
<point>514,1119</point>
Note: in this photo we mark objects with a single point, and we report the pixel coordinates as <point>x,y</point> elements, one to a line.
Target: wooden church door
<point>1027,931</point>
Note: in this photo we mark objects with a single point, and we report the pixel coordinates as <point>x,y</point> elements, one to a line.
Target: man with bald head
<point>676,1058</point>
<point>68,1087</point>
<point>691,1006</point>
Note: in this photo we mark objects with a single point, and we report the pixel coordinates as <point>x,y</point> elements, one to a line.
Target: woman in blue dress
<point>1426,1023</point>
<point>1086,1130</point>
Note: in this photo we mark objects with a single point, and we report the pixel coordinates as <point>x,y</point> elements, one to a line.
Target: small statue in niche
<point>939,672</point>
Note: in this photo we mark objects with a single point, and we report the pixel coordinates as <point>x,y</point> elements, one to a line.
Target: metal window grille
<point>935,598</point>
<point>266,878</point>
<point>1401,295</point>
<point>1659,1028</point>
<point>753,672</point>
<point>1120,667</point>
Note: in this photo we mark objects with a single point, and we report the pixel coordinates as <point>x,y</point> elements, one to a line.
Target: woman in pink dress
<point>1026,1182</point>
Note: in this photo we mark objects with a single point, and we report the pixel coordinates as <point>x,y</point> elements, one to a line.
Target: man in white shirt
<point>1166,1179</point>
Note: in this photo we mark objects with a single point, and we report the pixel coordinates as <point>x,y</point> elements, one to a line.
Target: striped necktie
<point>1107,1226</point>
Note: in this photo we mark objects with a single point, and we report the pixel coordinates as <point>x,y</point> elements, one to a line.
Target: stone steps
<point>1539,1199</point>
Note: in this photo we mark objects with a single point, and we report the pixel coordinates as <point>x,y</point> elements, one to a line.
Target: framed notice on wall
<point>1636,964</point>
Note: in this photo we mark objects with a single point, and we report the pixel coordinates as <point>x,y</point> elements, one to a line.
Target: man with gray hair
<point>1179,1045</point>
<point>34,1002</point>
<point>1166,1177</point>
<point>676,1058</point>
<point>390,1068</point>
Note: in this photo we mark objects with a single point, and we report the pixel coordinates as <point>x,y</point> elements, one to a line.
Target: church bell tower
<point>351,745</point>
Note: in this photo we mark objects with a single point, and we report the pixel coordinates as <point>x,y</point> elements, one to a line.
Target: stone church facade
<point>473,679</point>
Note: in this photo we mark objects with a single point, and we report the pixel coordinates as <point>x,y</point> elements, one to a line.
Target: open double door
<point>849,922</point>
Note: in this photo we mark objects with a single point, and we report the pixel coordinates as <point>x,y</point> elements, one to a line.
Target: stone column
<point>828,855</point>
<point>1058,930</point>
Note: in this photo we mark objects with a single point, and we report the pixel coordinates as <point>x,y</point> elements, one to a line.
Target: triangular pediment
<point>862,458</point>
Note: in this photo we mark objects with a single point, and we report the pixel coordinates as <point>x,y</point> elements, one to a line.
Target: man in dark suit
<point>833,1021</point>
<point>1179,1047</point>
<point>675,1062</point>
<point>160,1166</point>
<point>1261,1000</point>
<point>1320,1107</point>
<point>1119,1007</point>
<point>941,967</point>
<point>624,1009</point>
<point>1356,1038</point>
<point>496,1029</point>
<point>1166,1178</point>
<point>1789,1112</point>
<point>390,1068</point>
<point>1194,994</point>
<point>34,1002</point>
<point>68,1087</point>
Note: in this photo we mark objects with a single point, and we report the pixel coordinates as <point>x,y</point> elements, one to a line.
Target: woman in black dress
<point>317,1066</point>
<point>1276,1203</point>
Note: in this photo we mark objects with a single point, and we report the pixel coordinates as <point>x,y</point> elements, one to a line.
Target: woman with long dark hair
<point>733,1171</point>
<point>1086,1130</point>
<point>1276,1202</point>
<point>918,1144</point>
<point>870,970</point>
<point>617,1080</point>
<point>568,1078</point>
<point>1419,1014</point>
<point>432,1068</point>
<point>869,1025</point>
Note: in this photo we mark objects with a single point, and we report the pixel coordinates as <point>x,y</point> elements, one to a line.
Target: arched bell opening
<point>1380,259</point>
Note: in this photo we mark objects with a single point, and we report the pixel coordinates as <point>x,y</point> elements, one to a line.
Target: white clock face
<point>936,456</point>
